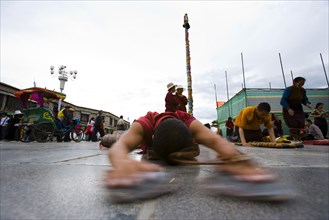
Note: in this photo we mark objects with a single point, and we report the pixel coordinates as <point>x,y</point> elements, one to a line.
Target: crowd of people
<point>246,126</point>
<point>94,130</point>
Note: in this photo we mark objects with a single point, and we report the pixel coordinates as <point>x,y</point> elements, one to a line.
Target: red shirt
<point>182,102</point>
<point>151,121</point>
<point>171,102</point>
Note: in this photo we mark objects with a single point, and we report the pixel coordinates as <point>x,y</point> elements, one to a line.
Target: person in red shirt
<point>229,128</point>
<point>181,99</point>
<point>171,132</point>
<point>171,102</point>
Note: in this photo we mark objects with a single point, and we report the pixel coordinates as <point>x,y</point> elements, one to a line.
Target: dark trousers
<point>96,130</point>
<point>251,135</point>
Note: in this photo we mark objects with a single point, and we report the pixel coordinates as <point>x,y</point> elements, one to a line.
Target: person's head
<point>121,116</point>
<point>18,114</point>
<point>100,112</point>
<point>171,136</point>
<point>171,87</point>
<point>230,118</point>
<point>299,81</point>
<point>91,119</point>
<point>319,105</point>
<point>263,109</point>
<point>308,122</point>
<point>179,89</point>
<point>109,139</point>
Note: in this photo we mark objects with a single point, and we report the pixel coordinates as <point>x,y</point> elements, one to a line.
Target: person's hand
<point>309,106</point>
<point>291,112</point>
<point>129,172</point>
<point>246,144</point>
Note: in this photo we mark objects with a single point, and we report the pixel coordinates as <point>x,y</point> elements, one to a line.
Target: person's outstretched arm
<point>246,171</point>
<point>204,136</point>
<point>125,169</point>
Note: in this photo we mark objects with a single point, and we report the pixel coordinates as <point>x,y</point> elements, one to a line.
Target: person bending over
<point>171,132</point>
<point>250,120</point>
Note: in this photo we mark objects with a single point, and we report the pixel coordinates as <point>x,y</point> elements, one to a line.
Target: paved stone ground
<point>64,181</point>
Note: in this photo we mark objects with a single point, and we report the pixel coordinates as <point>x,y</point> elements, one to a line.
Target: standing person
<point>121,124</point>
<point>250,120</point>
<point>170,100</point>
<point>18,115</point>
<point>98,127</point>
<point>4,125</point>
<point>313,131</point>
<point>90,128</point>
<point>320,118</point>
<point>229,128</point>
<point>176,132</point>
<point>181,99</point>
<point>293,114</point>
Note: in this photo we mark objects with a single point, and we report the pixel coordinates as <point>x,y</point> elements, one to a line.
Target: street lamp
<point>63,77</point>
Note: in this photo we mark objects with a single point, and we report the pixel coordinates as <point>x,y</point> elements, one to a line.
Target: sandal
<point>154,184</point>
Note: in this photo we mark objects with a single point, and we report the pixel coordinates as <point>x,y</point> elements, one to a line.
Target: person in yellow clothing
<point>66,115</point>
<point>250,120</point>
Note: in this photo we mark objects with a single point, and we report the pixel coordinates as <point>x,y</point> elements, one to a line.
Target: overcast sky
<point>126,52</point>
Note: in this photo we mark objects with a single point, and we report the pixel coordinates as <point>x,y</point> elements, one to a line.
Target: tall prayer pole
<point>186,25</point>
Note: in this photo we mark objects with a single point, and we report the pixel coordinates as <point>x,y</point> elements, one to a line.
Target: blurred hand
<point>129,172</point>
<point>291,112</point>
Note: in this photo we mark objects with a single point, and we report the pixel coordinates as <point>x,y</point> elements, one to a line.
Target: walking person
<point>98,127</point>
<point>292,99</point>
<point>90,129</point>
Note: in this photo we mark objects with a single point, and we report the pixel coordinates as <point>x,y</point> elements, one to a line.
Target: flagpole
<point>292,76</point>
<point>324,69</point>
<point>228,97</point>
<point>284,79</point>
<point>244,82</point>
<point>216,96</point>
<point>186,25</point>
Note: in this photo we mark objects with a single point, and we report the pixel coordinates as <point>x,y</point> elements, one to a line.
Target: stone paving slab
<point>64,181</point>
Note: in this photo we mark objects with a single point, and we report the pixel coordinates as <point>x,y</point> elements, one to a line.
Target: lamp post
<point>63,77</point>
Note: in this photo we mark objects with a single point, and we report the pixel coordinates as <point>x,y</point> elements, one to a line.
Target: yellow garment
<point>248,119</point>
<point>60,114</point>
